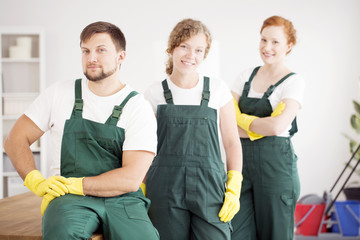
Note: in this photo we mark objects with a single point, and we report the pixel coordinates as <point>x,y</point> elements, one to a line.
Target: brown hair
<point>115,33</point>
<point>184,30</point>
<point>289,29</point>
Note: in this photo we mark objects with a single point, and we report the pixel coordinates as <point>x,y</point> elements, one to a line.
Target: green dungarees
<point>271,184</point>
<point>89,149</point>
<point>186,182</point>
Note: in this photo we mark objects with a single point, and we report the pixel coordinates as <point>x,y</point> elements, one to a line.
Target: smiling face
<point>189,54</point>
<point>100,59</point>
<point>274,45</point>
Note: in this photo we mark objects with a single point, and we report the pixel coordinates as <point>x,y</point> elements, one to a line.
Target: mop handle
<point>343,186</point>
<point>347,164</point>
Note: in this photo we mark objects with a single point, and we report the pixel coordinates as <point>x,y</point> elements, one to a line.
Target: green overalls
<point>89,149</point>
<point>186,182</point>
<point>271,184</point>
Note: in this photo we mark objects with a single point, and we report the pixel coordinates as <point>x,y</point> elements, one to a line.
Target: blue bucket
<point>349,217</point>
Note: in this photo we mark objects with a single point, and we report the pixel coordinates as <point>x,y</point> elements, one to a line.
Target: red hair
<point>280,21</point>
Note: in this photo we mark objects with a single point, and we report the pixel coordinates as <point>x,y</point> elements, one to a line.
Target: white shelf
<point>22,79</point>
<point>10,117</point>
<point>10,174</point>
<point>26,60</point>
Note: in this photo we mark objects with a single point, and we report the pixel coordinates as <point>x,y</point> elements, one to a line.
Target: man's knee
<point>64,221</point>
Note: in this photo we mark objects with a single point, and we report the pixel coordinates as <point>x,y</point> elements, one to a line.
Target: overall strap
<point>167,92</point>
<point>248,83</point>
<point>117,111</point>
<point>294,128</point>
<point>270,90</point>
<point>78,105</point>
<point>206,92</point>
<point>272,87</point>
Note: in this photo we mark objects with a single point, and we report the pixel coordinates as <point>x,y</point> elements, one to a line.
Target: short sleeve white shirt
<point>219,94</point>
<point>54,106</point>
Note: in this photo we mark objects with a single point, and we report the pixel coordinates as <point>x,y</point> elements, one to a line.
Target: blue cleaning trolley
<point>341,219</point>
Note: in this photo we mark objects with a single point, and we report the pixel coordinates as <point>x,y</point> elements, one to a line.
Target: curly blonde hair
<point>184,30</point>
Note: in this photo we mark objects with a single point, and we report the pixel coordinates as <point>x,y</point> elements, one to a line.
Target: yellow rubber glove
<point>143,188</point>
<point>54,185</point>
<point>240,119</point>
<point>245,121</point>
<point>237,111</point>
<point>279,109</point>
<point>254,136</point>
<point>231,203</point>
<point>75,186</point>
<point>47,198</point>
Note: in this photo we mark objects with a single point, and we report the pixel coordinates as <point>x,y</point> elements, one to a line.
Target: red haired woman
<point>269,98</point>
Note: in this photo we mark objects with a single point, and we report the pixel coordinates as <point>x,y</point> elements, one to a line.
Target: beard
<point>102,75</point>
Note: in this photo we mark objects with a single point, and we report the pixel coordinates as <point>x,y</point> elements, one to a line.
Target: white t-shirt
<point>291,88</point>
<point>219,94</point>
<point>54,106</point>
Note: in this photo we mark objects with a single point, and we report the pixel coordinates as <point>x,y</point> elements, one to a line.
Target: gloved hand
<point>54,185</point>
<point>143,188</point>
<point>277,111</point>
<point>254,136</point>
<point>75,186</point>
<point>47,198</point>
<point>245,121</point>
<point>237,111</point>
<point>231,203</point>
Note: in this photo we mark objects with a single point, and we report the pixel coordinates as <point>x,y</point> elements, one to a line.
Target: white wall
<point>327,55</point>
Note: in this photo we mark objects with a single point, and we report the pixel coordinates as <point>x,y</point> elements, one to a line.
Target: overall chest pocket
<point>95,155</point>
<point>188,137</point>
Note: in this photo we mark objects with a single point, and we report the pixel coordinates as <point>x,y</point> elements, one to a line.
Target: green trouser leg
<point>244,221</point>
<point>177,216</point>
<point>78,217</point>
<point>270,191</point>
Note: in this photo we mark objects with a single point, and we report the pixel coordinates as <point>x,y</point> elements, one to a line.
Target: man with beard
<point>104,137</point>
